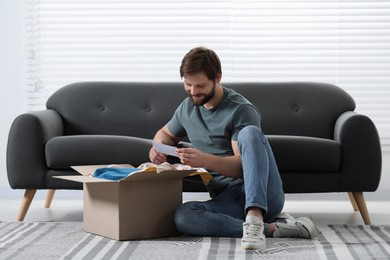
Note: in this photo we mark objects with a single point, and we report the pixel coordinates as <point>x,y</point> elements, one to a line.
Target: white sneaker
<point>297,228</point>
<point>253,237</point>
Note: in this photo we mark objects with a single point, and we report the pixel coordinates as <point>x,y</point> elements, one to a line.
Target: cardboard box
<point>140,206</point>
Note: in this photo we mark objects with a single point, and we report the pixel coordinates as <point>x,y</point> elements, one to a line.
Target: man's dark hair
<point>201,59</point>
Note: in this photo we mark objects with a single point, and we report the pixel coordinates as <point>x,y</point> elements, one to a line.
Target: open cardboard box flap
<point>87,171</point>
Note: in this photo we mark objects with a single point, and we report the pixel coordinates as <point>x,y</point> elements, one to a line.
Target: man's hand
<point>229,166</point>
<point>156,157</point>
<point>191,156</point>
<point>163,136</point>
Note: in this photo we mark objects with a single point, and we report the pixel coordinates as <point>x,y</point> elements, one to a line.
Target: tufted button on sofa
<point>320,143</point>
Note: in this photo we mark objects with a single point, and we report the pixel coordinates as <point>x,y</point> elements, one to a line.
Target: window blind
<point>343,42</point>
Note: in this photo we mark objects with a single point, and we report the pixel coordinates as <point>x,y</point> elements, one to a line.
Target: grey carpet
<point>67,240</point>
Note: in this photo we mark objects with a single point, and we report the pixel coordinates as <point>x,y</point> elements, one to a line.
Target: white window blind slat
<point>342,42</point>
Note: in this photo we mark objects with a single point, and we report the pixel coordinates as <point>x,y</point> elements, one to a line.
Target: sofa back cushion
<point>297,108</point>
<point>116,108</point>
<point>140,109</point>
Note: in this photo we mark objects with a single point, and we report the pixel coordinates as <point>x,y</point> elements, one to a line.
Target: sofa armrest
<point>26,164</point>
<point>361,152</point>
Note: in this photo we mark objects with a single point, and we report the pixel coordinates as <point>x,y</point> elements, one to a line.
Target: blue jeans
<point>223,215</point>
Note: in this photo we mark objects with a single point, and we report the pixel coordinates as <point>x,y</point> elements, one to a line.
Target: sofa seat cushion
<point>65,151</point>
<point>305,154</point>
<point>292,153</point>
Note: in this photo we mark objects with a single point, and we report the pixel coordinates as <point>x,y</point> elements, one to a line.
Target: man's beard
<point>206,97</point>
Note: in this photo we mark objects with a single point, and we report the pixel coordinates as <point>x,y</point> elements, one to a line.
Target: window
<point>346,43</point>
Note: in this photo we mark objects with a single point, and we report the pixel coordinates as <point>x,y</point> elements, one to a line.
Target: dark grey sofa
<point>320,143</point>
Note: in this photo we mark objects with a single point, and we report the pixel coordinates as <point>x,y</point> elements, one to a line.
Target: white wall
<point>12,98</point>
<point>13,103</point>
<point>383,191</point>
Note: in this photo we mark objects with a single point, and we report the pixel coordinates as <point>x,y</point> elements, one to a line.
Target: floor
<point>335,211</point>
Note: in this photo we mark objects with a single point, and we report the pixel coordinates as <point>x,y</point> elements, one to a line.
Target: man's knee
<point>249,133</point>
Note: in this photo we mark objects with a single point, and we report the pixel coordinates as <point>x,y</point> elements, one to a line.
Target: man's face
<point>199,88</point>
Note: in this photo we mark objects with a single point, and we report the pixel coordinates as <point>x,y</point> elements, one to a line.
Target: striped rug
<point>66,240</point>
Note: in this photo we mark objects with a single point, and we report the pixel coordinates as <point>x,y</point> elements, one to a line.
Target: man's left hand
<point>191,156</point>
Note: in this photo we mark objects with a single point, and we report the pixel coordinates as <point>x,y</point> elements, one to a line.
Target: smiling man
<point>224,129</point>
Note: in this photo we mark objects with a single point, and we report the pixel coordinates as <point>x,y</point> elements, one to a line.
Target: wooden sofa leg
<point>353,202</point>
<point>26,202</point>
<point>361,203</point>
<point>49,198</point>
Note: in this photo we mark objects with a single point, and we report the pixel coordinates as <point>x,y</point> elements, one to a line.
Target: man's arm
<point>162,136</point>
<point>226,165</point>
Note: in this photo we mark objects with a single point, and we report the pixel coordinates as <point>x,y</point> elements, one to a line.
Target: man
<point>224,129</point>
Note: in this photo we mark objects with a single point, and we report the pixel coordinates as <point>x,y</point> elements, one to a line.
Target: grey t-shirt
<point>212,131</point>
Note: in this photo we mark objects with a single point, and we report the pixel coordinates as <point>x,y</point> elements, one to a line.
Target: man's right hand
<point>156,157</point>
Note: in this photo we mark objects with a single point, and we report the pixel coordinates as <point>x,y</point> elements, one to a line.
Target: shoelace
<point>252,230</point>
